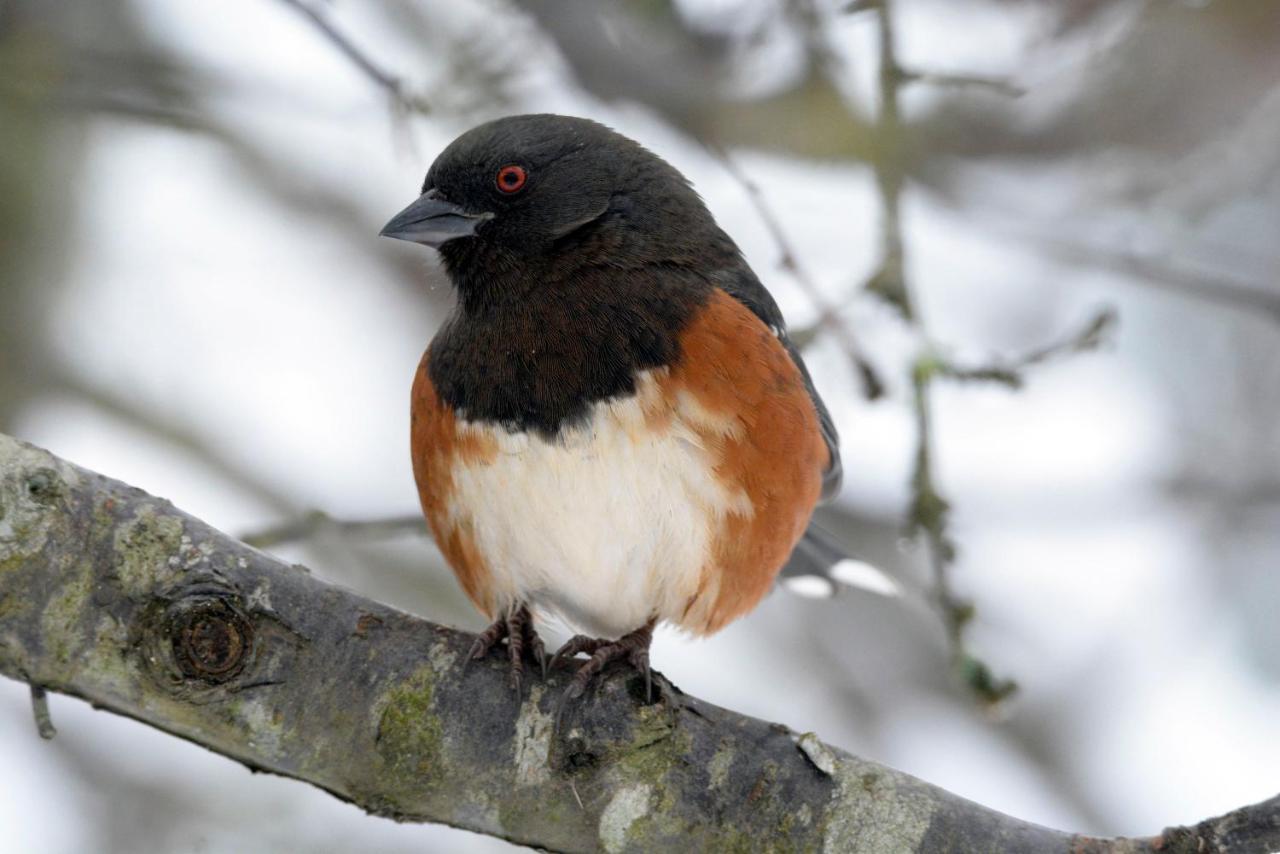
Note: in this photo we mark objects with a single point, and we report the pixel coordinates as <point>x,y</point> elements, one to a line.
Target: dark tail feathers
<point>819,565</point>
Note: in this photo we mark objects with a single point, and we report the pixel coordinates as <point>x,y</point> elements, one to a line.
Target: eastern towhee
<point>612,425</point>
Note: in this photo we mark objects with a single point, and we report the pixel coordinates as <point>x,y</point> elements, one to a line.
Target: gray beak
<point>432,221</point>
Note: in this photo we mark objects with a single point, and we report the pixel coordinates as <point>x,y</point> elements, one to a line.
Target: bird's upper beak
<point>433,221</point>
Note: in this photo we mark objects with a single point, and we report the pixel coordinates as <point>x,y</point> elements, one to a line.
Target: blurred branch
<point>929,511</point>
<point>1225,496</point>
<point>648,53</point>
<point>317,521</point>
<point>995,85</point>
<point>330,205</point>
<point>1010,372</point>
<point>171,431</point>
<point>129,105</point>
<point>855,6</point>
<point>889,280</point>
<point>1159,274</point>
<point>828,314</point>
<point>114,596</point>
<point>928,516</point>
<point>391,84</point>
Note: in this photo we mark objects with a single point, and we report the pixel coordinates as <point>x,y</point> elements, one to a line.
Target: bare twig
<point>994,85</point>
<point>828,313</point>
<point>390,83</point>
<point>928,513</point>
<point>1010,372</point>
<point>40,708</point>
<point>172,430</point>
<point>889,280</point>
<point>1156,273</point>
<point>317,521</point>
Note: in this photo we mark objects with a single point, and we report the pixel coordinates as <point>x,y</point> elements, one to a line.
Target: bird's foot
<point>517,627</point>
<point>634,647</point>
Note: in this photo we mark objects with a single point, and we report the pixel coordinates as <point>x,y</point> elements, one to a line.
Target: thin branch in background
<point>889,280</point>
<point>1159,274</point>
<point>172,430</point>
<point>928,515</point>
<point>316,522</point>
<point>394,86</point>
<point>1010,372</point>
<point>828,314</point>
<point>929,511</point>
<point>994,85</point>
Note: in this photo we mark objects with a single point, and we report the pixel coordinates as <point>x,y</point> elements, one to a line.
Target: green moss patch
<point>410,736</point>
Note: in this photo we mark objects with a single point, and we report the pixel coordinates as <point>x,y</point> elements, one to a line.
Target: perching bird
<point>612,426</point>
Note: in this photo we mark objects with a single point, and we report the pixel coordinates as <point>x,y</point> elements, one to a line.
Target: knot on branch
<point>202,642</point>
<point>212,639</point>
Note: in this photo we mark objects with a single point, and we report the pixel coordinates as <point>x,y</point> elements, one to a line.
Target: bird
<point>612,427</point>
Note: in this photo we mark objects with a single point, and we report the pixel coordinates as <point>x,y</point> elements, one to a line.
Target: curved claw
<point>518,630</point>
<point>634,647</point>
<point>515,653</point>
<point>539,652</point>
<point>575,645</point>
<point>486,641</point>
<point>575,690</point>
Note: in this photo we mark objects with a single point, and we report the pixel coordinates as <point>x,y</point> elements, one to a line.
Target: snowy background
<point>193,299</point>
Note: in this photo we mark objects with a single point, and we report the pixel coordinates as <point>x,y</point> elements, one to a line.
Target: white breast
<point>607,524</point>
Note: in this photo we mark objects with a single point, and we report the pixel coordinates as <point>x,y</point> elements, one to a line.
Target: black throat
<point>536,357</point>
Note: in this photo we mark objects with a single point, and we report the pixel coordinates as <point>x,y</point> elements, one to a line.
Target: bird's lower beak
<point>432,221</point>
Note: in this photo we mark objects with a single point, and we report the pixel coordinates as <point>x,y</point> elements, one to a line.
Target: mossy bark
<point>112,595</point>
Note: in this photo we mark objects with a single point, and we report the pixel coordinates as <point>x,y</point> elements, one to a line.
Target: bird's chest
<point>542,364</point>
<point>610,522</point>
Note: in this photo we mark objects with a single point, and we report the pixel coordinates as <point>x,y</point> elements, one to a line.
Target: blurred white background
<point>194,300</point>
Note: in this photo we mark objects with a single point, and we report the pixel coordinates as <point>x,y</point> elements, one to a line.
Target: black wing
<point>743,285</point>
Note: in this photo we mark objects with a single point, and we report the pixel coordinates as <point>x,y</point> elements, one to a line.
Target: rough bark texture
<point>109,594</point>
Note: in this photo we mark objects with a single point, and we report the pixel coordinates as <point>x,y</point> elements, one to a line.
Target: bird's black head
<point>534,198</point>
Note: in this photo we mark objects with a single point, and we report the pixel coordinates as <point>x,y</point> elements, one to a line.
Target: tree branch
<point>1252,298</point>
<point>928,515</point>
<point>109,594</point>
<point>311,524</point>
<point>367,65</point>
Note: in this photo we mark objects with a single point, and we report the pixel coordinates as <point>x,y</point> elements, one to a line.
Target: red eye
<point>511,178</point>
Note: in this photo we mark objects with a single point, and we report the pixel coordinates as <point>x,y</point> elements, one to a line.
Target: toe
<point>575,645</point>
<point>576,689</point>
<point>515,650</point>
<point>539,653</point>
